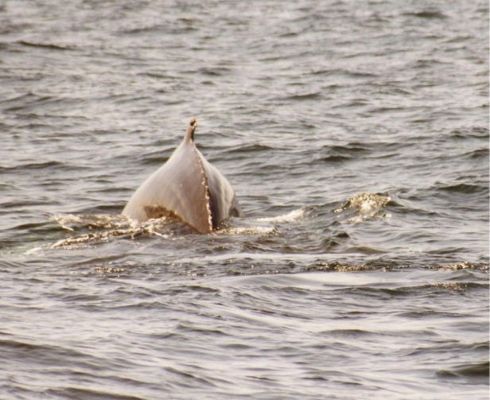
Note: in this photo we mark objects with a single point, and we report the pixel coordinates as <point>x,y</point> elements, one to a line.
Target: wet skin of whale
<point>187,187</point>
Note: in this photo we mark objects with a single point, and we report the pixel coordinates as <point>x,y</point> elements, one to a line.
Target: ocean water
<point>356,137</point>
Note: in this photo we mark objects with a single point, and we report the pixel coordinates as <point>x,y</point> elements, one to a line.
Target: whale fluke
<point>186,187</point>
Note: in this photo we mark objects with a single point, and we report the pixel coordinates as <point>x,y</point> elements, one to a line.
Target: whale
<point>187,188</point>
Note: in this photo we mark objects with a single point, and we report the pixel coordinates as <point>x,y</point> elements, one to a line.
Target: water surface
<point>356,137</point>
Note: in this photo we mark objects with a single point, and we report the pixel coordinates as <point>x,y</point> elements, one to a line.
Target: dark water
<point>356,137</point>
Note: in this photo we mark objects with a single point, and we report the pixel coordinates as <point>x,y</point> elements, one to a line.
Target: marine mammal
<point>188,187</point>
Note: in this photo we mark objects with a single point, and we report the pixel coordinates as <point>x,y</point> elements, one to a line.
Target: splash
<point>367,206</point>
<point>461,266</point>
<point>72,222</point>
<point>337,266</point>
<point>291,216</point>
<point>248,231</point>
<point>105,228</point>
<point>264,226</point>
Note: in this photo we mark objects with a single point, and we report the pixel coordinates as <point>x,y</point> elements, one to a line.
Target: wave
<point>49,46</point>
<point>462,265</point>
<point>33,166</point>
<point>427,14</point>
<point>462,188</point>
<point>471,371</point>
<point>245,231</point>
<point>366,206</point>
<point>302,97</point>
<point>291,216</point>
<point>356,150</point>
<point>88,393</point>
<point>476,132</point>
<point>250,148</point>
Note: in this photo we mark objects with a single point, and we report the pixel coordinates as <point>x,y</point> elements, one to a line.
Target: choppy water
<point>356,137</point>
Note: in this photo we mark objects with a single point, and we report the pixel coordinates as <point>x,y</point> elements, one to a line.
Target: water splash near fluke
<point>291,216</point>
<point>103,228</point>
<point>367,206</point>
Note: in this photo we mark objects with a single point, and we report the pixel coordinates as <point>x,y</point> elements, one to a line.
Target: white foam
<point>64,220</point>
<point>252,230</point>
<point>289,217</point>
<point>367,205</point>
<point>34,250</point>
